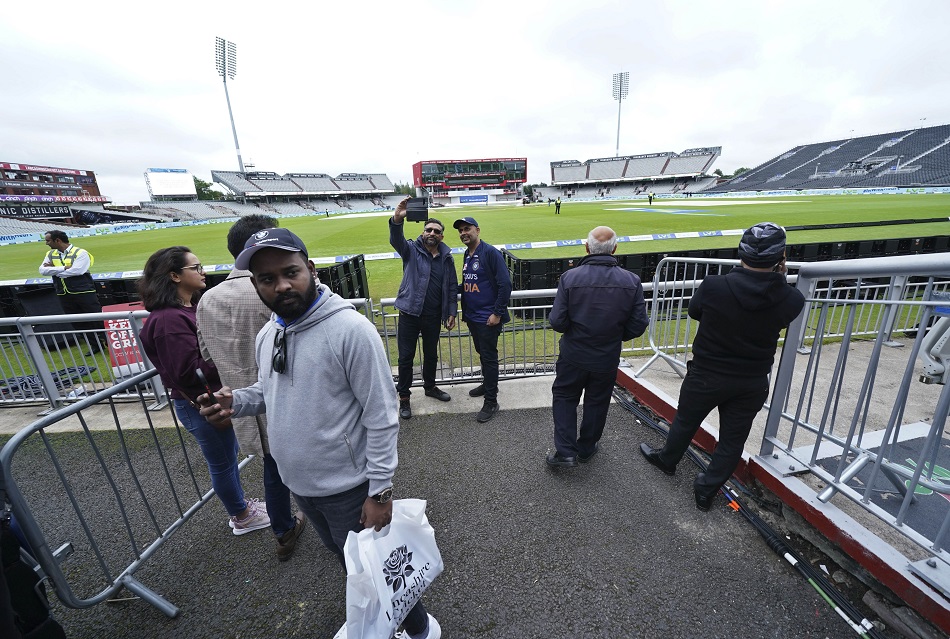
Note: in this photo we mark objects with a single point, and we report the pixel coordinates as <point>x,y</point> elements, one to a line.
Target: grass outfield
<point>342,235</point>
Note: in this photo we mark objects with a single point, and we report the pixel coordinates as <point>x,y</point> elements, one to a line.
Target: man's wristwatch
<point>384,497</point>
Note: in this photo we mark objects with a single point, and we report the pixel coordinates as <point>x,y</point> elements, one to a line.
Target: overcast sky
<point>334,87</point>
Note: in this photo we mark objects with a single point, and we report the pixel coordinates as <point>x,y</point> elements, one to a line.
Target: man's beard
<point>290,306</point>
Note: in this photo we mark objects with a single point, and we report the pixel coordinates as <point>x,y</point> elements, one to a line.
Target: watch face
<point>385,496</point>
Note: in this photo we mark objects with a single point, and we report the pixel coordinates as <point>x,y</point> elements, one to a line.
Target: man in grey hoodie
<point>326,385</point>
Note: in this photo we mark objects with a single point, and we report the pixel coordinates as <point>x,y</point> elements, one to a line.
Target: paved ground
<point>611,549</point>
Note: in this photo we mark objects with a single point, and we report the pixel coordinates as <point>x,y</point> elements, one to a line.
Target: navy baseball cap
<point>269,238</point>
<point>762,245</point>
<point>465,220</point>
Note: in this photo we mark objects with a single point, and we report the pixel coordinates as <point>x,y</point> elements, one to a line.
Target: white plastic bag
<point>387,571</point>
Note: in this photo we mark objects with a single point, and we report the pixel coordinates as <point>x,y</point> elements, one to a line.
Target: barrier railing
<point>527,347</point>
<point>873,434</point>
<point>42,362</point>
<point>108,492</point>
<point>47,359</point>
<point>672,331</point>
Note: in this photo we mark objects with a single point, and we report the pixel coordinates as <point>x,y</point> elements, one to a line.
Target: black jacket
<point>740,317</point>
<point>598,306</point>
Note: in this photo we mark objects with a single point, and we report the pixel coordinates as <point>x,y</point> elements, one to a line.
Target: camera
<point>417,209</point>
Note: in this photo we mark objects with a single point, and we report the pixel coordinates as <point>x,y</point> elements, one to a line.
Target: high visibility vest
<point>75,284</point>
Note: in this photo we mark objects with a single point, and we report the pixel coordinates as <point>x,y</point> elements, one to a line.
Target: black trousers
<point>407,334</point>
<point>485,340</point>
<point>739,399</point>
<point>568,385</point>
<point>77,303</point>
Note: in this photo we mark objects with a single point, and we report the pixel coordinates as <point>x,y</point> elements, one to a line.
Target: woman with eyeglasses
<point>170,287</point>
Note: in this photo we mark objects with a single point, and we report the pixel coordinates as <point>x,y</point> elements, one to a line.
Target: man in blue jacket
<point>486,288</point>
<point>598,306</point>
<point>426,301</point>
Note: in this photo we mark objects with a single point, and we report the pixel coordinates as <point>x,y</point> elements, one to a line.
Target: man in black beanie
<point>740,316</point>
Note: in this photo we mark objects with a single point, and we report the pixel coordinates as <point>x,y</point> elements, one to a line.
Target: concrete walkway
<point>611,549</point>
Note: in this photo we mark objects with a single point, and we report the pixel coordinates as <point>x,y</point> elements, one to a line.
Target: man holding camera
<point>426,301</point>
<point>740,316</point>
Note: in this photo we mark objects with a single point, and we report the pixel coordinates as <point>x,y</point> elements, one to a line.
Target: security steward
<point>68,266</point>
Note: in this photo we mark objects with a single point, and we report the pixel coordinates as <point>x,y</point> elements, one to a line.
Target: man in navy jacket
<point>598,306</point>
<point>427,299</point>
<point>486,289</point>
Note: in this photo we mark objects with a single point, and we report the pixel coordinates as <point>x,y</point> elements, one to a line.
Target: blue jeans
<point>333,517</point>
<point>485,340</point>
<point>220,449</point>
<point>407,334</point>
<point>568,385</point>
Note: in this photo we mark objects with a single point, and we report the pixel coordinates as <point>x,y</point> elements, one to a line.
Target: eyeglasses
<point>198,268</point>
<point>279,362</point>
<point>437,231</point>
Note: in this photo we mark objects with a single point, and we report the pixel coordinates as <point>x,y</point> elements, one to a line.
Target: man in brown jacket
<point>229,317</point>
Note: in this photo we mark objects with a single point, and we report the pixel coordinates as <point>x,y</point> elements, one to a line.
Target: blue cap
<point>465,220</point>
<point>269,238</point>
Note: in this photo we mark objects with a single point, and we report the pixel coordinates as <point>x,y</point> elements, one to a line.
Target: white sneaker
<point>435,631</point>
<point>247,501</point>
<point>256,519</point>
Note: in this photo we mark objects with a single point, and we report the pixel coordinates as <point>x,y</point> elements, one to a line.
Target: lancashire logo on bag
<point>397,568</point>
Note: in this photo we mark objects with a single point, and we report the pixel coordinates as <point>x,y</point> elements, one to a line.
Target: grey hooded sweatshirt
<point>332,417</point>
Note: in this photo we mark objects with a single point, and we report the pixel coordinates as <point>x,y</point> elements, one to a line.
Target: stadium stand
<point>910,158</point>
<point>13,226</point>
<point>661,170</point>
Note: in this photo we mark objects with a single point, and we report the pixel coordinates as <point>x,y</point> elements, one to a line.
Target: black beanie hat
<point>762,245</point>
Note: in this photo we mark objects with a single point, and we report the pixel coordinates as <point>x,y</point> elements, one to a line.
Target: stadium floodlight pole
<point>225,57</point>
<point>621,91</point>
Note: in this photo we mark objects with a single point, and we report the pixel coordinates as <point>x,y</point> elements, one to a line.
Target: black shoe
<point>653,457</point>
<point>404,410</point>
<point>703,502</point>
<point>584,460</point>
<point>555,460</point>
<point>478,391</point>
<point>489,408</point>
<point>438,393</point>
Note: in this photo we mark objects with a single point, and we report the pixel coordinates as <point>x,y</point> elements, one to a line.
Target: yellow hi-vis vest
<point>75,284</point>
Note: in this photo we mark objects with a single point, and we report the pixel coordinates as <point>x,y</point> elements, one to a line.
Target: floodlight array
<point>225,57</point>
<point>621,85</point>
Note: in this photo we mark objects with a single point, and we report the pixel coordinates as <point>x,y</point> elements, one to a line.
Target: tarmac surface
<point>613,548</point>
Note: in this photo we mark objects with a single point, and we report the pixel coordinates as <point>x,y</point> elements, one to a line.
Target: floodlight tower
<point>225,57</point>
<point>621,90</point>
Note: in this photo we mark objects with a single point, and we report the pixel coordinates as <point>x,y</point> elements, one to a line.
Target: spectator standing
<point>170,287</point>
<point>486,288</point>
<point>229,317</point>
<point>326,384</point>
<point>427,300</point>
<point>68,266</point>
<point>598,306</point>
<point>740,315</point>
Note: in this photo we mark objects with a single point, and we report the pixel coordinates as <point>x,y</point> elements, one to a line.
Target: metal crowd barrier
<point>106,493</point>
<point>48,360</point>
<point>871,432</point>
<point>672,331</point>
<point>527,347</point>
